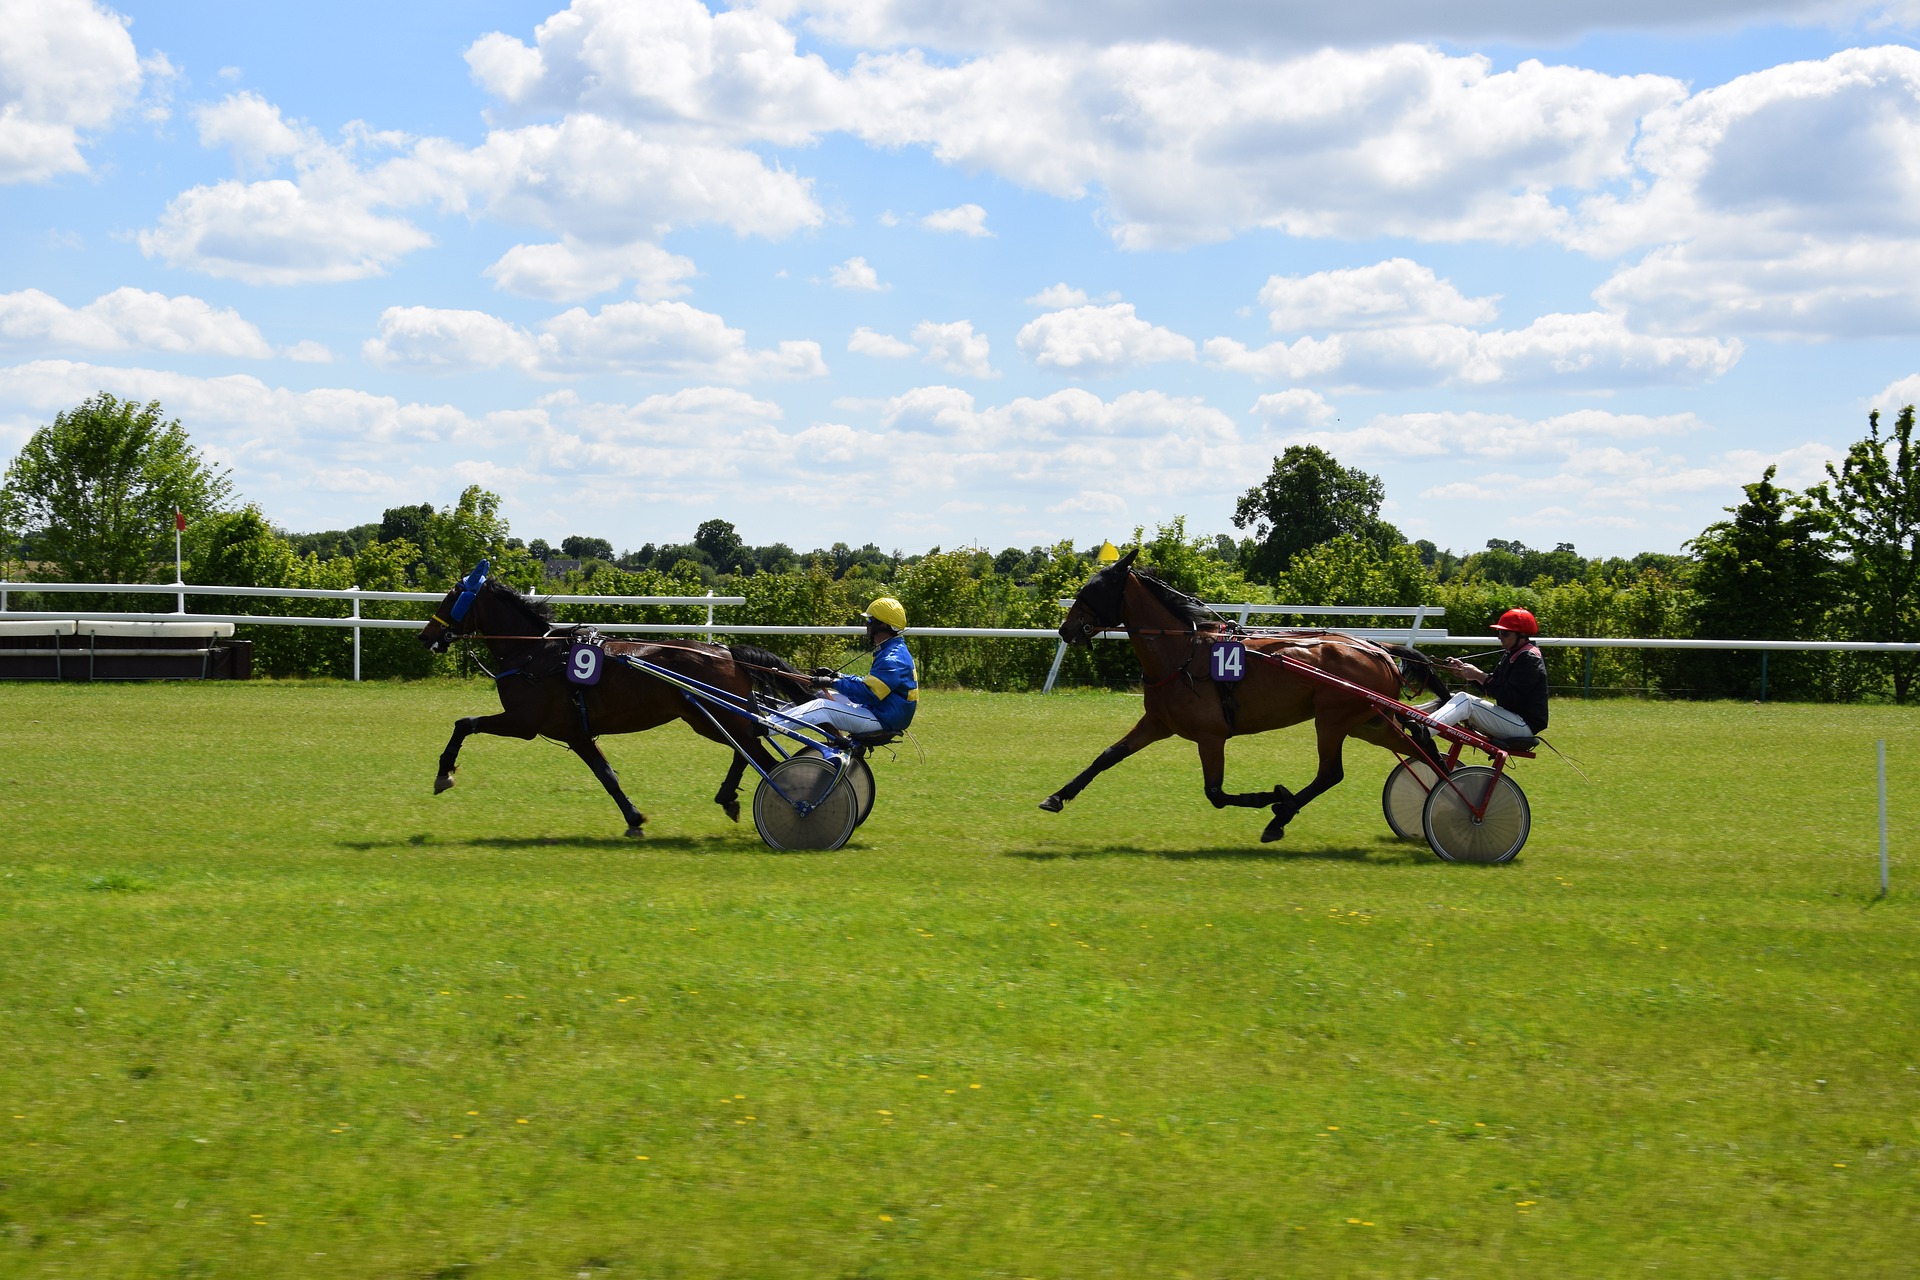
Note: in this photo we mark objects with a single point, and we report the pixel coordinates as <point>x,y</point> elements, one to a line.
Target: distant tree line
<point>90,497</point>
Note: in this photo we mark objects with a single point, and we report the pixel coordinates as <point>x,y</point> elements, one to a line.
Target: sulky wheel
<point>1496,836</point>
<point>1404,798</point>
<point>814,781</point>
<point>859,777</point>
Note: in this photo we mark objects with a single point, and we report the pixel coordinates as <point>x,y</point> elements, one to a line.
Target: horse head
<point>1101,603</point>
<point>454,616</point>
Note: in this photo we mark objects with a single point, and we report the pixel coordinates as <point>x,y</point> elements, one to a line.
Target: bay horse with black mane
<point>1172,635</point>
<point>530,654</point>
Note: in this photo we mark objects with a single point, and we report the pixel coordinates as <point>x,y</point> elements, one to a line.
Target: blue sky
<point>918,274</point>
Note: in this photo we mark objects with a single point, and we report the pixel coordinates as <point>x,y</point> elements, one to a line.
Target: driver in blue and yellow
<point>883,700</point>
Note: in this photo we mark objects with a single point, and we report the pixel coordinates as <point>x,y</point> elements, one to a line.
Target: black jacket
<point>1519,685</point>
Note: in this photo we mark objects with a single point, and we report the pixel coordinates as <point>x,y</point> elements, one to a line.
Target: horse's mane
<point>771,674</point>
<point>1187,608</point>
<point>537,611</point>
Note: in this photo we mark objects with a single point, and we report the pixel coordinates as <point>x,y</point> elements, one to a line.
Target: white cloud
<point>129,319</point>
<point>1783,203</point>
<point>307,351</point>
<point>1897,395</point>
<point>966,220</point>
<point>441,340</point>
<point>955,347</point>
<point>1184,143</point>
<point>1286,27</point>
<point>1099,340</point>
<point>1588,351</point>
<point>1395,292</point>
<point>1297,405</point>
<point>254,131</point>
<point>277,233</point>
<point>885,346</point>
<point>855,273</point>
<point>1057,297</point>
<point>1496,436</point>
<point>569,271</point>
<point>611,192</point>
<point>624,337</point>
<point>67,68</point>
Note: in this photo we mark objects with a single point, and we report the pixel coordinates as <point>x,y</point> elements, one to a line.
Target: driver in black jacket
<point>1518,684</point>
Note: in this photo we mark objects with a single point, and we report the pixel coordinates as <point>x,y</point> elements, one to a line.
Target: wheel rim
<point>814,781</point>
<point>1451,830</point>
<point>859,777</point>
<point>1404,798</point>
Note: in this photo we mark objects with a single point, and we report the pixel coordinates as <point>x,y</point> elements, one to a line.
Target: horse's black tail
<point>770,674</point>
<point>1417,671</point>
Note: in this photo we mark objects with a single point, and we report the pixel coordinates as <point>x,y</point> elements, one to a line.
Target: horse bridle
<point>462,606</point>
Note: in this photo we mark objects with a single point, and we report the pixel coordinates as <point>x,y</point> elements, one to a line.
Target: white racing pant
<point>1482,717</point>
<point>836,711</point>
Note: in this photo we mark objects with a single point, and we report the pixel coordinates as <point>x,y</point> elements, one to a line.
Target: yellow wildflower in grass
<point>459,1135</point>
<point>886,1217</point>
<point>520,1121</point>
<point>473,1113</point>
<point>973,1086</point>
<point>640,1157</point>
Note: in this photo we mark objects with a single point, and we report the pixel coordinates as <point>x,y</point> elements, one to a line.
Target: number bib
<point>584,664</point>
<point>1229,664</point>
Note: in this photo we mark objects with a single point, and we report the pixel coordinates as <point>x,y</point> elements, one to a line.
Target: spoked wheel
<point>859,777</point>
<point>832,810</point>
<point>1404,798</point>
<point>1496,836</point>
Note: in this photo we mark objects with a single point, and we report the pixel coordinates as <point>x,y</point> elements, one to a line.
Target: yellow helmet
<point>886,609</point>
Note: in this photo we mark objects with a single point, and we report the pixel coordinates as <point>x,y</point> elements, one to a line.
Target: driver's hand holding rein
<point>883,700</point>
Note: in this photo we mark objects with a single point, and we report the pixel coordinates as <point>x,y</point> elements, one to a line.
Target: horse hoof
<point>636,831</point>
<point>443,783</point>
<point>1276,830</point>
<point>731,809</point>
<point>1053,804</point>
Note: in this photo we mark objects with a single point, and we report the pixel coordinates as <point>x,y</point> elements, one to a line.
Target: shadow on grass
<point>1385,854</point>
<point>742,843</point>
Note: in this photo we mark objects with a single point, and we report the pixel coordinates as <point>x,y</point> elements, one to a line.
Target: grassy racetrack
<point>272,1008</point>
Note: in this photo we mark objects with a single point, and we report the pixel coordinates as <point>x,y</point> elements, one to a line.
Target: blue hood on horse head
<point>469,588</point>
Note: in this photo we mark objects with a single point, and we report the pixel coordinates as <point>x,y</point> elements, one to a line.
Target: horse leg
<point>589,751</point>
<point>1213,771</point>
<point>1332,735</point>
<point>728,797</point>
<point>1147,732</point>
<point>504,724</point>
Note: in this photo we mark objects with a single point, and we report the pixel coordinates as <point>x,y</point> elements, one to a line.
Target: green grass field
<point>273,1009</point>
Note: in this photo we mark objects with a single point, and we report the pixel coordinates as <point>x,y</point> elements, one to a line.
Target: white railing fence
<point>1414,632</point>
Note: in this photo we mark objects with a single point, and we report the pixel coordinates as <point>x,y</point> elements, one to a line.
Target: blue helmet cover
<point>469,588</point>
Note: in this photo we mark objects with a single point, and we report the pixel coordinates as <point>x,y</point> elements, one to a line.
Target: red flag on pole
<point>179,521</point>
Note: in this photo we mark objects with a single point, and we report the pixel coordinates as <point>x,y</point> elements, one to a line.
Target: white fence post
<point>1882,745</point>
<point>356,634</point>
<point>709,612</point>
<point>1053,672</point>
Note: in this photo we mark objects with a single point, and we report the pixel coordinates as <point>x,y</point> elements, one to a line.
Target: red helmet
<point>1518,620</point>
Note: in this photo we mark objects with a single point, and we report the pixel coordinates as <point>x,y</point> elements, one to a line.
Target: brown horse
<point>536,699</point>
<point>1172,635</point>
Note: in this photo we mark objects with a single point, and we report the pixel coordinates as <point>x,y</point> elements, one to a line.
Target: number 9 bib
<point>584,662</point>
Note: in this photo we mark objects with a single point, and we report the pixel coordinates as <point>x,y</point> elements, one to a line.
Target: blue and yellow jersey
<point>889,690</point>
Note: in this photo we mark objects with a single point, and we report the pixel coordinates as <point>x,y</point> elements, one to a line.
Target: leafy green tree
<point>1873,502</point>
<point>1766,574</point>
<point>577,547</point>
<point>97,489</point>
<point>1348,570</point>
<point>1308,499</point>
<point>723,546</point>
